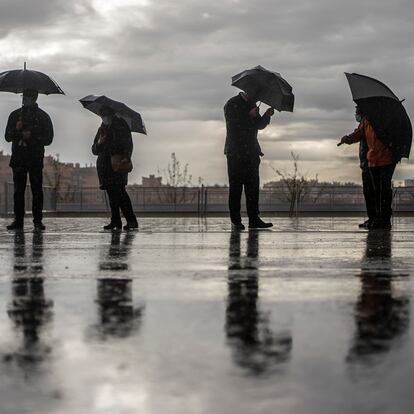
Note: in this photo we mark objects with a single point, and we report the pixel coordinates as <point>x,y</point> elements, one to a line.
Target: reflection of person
<point>243,157</point>
<point>29,129</point>
<point>254,346</point>
<point>29,309</point>
<point>381,168</point>
<point>114,138</point>
<point>380,315</point>
<point>117,315</point>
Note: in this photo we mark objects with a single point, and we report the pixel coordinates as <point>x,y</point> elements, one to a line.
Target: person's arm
<point>261,122</point>
<point>356,136</point>
<point>13,131</point>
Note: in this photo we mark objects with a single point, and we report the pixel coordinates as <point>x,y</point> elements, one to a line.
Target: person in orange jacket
<point>381,165</point>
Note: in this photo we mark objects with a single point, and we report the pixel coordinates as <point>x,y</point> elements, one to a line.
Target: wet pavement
<point>186,317</point>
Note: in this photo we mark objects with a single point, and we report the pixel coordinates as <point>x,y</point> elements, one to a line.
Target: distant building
<point>152,181</point>
<point>65,178</point>
<point>408,183</point>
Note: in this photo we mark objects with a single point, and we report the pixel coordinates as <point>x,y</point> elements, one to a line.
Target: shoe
<point>380,224</point>
<point>237,226</point>
<point>39,226</point>
<point>15,225</point>
<point>366,224</point>
<point>132,225</point>
<point>113,226</point>
<point>259,224</point>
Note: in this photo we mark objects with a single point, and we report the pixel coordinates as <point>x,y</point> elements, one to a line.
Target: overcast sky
<point>172,60</point>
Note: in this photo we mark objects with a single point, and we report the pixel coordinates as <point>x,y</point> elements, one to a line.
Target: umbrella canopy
<point>266,86</point>
<point>95,103</point>
<point>384,111</point>
<point>18,80</point>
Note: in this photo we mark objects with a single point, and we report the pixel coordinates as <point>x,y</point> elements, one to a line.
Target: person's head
<point>358,114</point>
<point>249,97</point>
<point>29,97</point>
<point>107,115</point>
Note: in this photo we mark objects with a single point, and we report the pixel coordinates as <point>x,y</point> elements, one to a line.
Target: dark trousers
<point>369,193</point>
<point>119,200</point>
<point>243,173</point>
<point>381,181</point>
<point>36,181</point>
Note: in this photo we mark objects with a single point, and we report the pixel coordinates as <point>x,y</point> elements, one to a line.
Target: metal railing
<point>203,200</point>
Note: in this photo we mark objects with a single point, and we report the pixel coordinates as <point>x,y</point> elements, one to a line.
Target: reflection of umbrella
<point>18,80</point>
<point>266,86</point>
<point>384,111</point>
<point>95,103</point>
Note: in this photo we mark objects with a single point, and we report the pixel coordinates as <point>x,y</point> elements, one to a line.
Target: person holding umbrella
<point>29,129</point>
<point>242,148</point>
<point>386,127</point>
<point>367,186</point>
<point>381,166</point>
<point>113,146</point>
<point>243,152</point>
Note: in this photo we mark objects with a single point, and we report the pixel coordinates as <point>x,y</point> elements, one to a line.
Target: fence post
<point>198,201</point>
<point>55,198</point>
<point>296,203</point>
<point>81,198</point>
<point>205,202</point>
<point>6,198</point>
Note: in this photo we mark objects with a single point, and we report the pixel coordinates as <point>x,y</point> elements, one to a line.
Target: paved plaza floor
<point>185,316</point>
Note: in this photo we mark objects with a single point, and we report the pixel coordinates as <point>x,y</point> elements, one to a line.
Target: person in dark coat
<point>367,186</point>
<point>114,138</point>
<point>243,157</point>
<point>29,129</point>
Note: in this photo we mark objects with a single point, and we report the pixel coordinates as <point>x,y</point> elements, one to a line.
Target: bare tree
<point>54,178</point>
<point>177,180</point>
<point>296,187</point>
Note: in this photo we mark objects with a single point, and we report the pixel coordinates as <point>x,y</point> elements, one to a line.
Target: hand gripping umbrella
<point>95,103</point>
<point>266,86</point>
<point>19,80</point>
<point>384,111</point>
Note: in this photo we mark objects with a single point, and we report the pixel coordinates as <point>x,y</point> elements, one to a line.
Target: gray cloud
<point>173,62</point>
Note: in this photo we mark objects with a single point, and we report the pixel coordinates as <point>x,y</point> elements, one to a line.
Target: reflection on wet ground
<point>254,345</point>
<point>117,314</point>
<point>185,316</point>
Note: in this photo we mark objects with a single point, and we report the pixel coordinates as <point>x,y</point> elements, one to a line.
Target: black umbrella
<point>384,111</point>
<point>95,103</point>
<point>18,80</point>
<point>266,86</point>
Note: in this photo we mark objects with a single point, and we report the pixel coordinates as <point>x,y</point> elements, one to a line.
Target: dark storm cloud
<point>23,14</point>
<point>174,60</point>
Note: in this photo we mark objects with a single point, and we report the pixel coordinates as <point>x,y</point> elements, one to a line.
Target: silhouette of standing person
<point>114,138</point>
<point>254,346</point>
<point>381,316</point>
<point>117,315</point>
<point>381,164</point>
<point>29,129</point>
<point>243,157</point>
<point>367,184</point>
<point>29,308</point>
